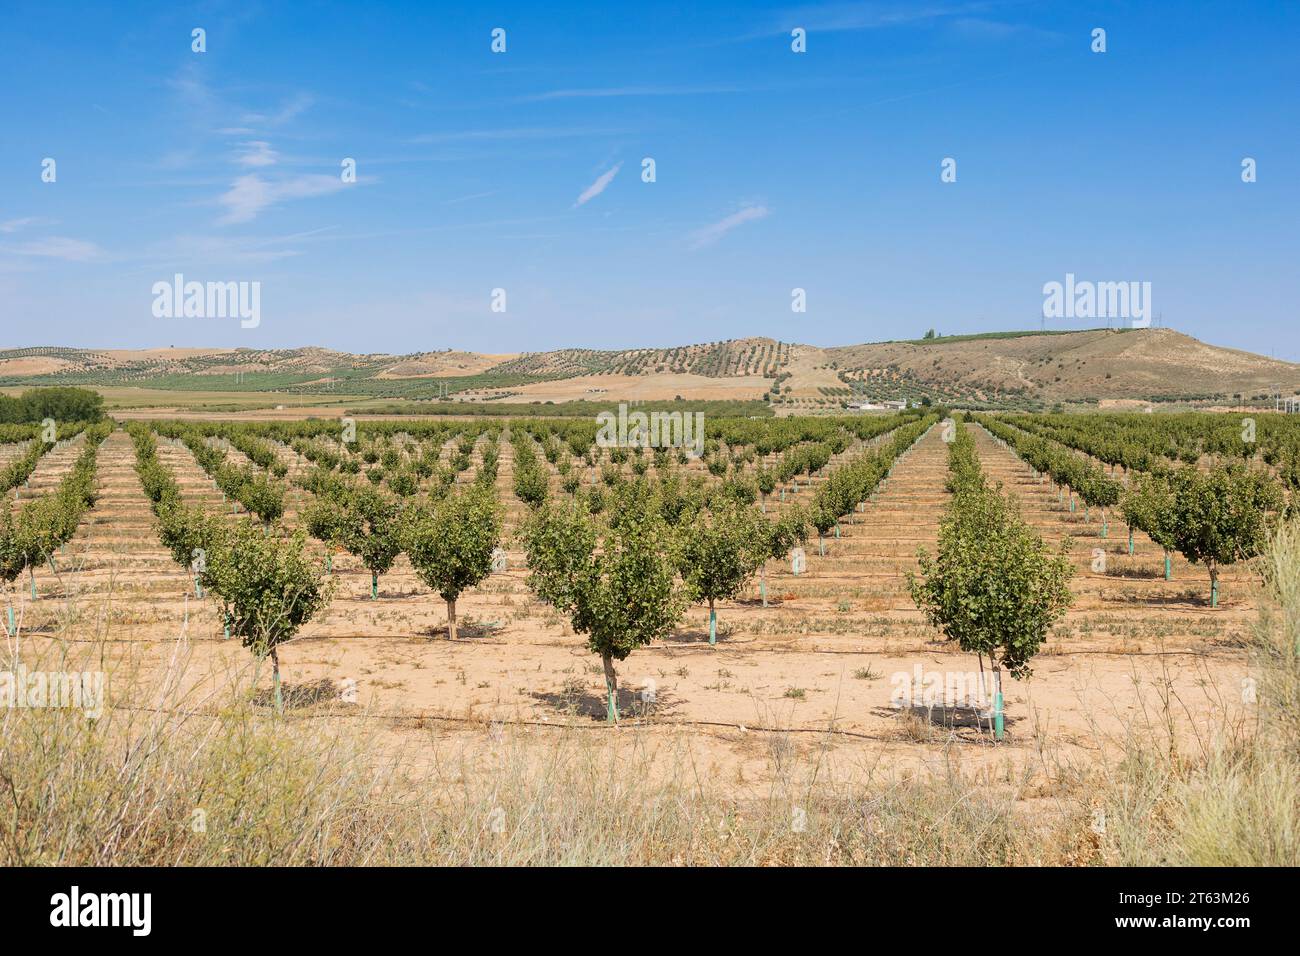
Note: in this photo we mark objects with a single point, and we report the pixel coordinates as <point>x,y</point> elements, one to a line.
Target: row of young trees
<point>32,533</point>
<point>625,577</point>
<point>267,586</point>
<point>43,439</point>
<point>449,535</point>
<point>404,464</point>
<point>993,585</point>
<point>1070,471</point>
<point>1144,442</point>
<point>850,485</point>
<point>624,573</point>
<point>1212,518</point>
<point>18,471</point>
<point>249,486</point>
<point>532,484</point>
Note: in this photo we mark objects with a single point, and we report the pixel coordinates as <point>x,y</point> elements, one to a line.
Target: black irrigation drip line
<point>596,725</point>
<point>701,645</point>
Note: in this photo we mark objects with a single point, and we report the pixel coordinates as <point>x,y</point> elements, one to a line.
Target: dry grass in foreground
<point>161,778</point>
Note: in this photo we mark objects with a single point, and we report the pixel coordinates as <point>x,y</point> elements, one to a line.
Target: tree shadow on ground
<point>631,706</point>
<point>949,716</point>
<point>300,696</point>
<point>465,630</point>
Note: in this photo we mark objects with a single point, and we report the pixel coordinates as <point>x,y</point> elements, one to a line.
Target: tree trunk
<point>998,719</point>
<point>713,623</point>
<point>1214,585</point>
<point>451,619</point>
<point>275,678</point>
<point>611,687</point>
<point>374,586</point>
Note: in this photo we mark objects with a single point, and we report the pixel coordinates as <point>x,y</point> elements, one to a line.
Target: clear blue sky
<point>775,170</point>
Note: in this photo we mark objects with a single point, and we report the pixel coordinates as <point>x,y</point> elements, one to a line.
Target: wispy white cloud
<point>873,14</point>
<point>291,108</point>
<point>11,226</point>
<point>620,91</point>
<point>868,15</point>
<point>249,195</point>
<point>210,112</point>
<point>711,233</point>
<point>257,153</point>
<point>598,187</point>
<point>239,250</point>
<point>58,247</point>
<point>529,132</point>
<point>471,196</point>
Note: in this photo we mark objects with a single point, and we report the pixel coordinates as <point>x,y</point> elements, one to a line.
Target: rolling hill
<point>1000,369</point>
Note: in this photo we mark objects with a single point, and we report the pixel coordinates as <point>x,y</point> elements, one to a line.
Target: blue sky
<point>522,170</point>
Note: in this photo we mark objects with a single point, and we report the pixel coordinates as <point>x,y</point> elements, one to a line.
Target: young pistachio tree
<point>267,587</point>
<point>363,520</point>
<point>13,557</point>
<point>1149,506</point>
<point>1222,516</point>
<point>617,581</point>
<point>720,551</point>
<point>994,586</point>
<point>450,544</point>
<point>781,536</point>
<point>325,520</point>
<point>766,479</point>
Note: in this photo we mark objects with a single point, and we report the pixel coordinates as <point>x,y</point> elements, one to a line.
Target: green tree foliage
<point>268,587</point>
<point>531,482</point>
<point>780,538</point>
<point>57,402</point>
<point>964,472</point>
<point>1222,516</point>
<point>21,468</point>
<point>363,521</point>
<point>30,534</point>
<point>1148,505</point>
<point>252,487</point>
<point>993,587</point>
<point>450,544</point>
<point>617,581</point>
<point>720,550</point>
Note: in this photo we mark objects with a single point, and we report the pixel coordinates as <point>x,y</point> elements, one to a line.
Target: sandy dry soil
<point>822,661</point>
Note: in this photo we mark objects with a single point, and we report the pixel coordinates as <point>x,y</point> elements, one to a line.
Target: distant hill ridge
<point>996,368</point>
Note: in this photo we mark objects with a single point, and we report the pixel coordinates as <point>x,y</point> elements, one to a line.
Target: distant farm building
<point>891,405</point>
